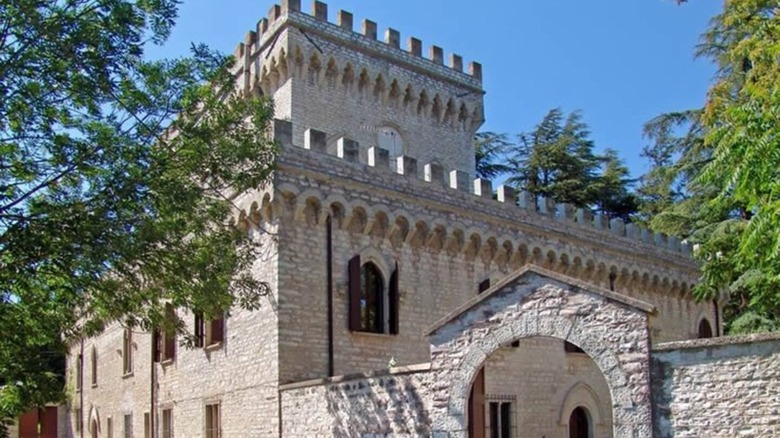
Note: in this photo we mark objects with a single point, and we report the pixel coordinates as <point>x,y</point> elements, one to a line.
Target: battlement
<point>574,221</point>
<point>342,30</point>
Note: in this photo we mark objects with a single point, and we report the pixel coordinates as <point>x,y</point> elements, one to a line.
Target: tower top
<point>342,31</point>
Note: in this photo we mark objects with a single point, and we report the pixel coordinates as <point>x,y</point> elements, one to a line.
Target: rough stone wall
<point>547,383</point>
<point>393,404</point>
<point>533,303</point>
<point>724,387</point>
<point>241,374</point>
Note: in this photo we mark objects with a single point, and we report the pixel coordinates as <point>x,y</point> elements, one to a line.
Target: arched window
<point>390,139</point>
<point>579,423</point>
<point>373,305</point>
<point>372,286</point>
<point>705,329</point>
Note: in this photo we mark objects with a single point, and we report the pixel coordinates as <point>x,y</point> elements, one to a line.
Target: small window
<point>147,425</point>
<point>128,426</point>
<point>168,350</point>
<point>209,333</point>
<point>501,423</point>
<point>167,423</point>
<point>109,428</point>
<point>213,423</point>
<point>77,419</point>
<point>79,372</point>
<point>93,361</point>
<point>368,300</point>
<point>127,352</point>
<point>705,329</point>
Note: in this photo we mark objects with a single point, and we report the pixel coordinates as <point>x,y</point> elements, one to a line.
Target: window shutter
<point>354,293</point>
<point>484,285</point>
<point>394,302</point>
<point>199,329</point>
<point>217,330</point>
<point>156,338</point>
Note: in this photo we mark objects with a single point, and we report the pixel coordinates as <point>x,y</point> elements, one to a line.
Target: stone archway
<point>610,328</point>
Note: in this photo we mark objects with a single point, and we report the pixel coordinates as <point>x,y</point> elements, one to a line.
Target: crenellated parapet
<point>429,208</point>
<point>269,56</point>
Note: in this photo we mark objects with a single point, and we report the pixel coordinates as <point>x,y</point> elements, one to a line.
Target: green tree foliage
<point>714,171</point>
<point>556,160</point>
<point>116,175</point>
<point>489,148</point>
<point>742,121</point>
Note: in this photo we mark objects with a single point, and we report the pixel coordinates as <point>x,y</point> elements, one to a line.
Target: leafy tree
<point>489,148</point>
<point>742,125</point>
<point>613,197</point>
<point>556,160</point>
<point>116,175</point>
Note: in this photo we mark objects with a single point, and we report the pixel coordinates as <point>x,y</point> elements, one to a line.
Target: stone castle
<point>408,299</point>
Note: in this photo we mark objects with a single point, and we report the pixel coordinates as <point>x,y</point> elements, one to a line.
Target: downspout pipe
<point>81,393</point>
<point>329,249</point>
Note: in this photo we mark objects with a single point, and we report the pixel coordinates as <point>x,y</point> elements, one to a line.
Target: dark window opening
<point>371,296</point>
<point>579,424</point>
<point>501,423</point>
<point>705,329</point>
<point>367,299</point>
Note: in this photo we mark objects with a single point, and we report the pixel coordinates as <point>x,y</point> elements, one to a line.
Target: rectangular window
<point>213,421</point>
<point>168,350</point>
<point>215,331</point>
<point>147,425</point>
<point>127,352</point>
<point>128,425</point>
<point>501,417</point>
<point>167,423</point>
<point>94,367</point>
<point>79,372</point>
<point>109,428</point>
<point>77,419</point>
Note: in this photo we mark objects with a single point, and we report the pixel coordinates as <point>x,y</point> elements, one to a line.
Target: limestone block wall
<point>546,384</point>
<point>241,374</point>
<point>445,241</point>
<point>395,403</point>
<point>332,78</point>
<point>724,387</point>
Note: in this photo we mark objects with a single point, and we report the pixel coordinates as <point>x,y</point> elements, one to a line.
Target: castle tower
<point>327,77</point>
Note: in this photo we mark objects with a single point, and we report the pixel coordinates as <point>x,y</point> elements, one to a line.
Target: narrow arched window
<point>373,305</point>
<point>579,423</point>
<point>371,298</point>
<point>705,329</point>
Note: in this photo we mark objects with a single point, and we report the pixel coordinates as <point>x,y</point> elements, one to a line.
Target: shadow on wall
<point>385,406</point>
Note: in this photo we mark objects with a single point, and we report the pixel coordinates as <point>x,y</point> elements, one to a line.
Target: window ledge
<point>127,375</point>
<point>214,346</point>
<point>166,362</point>
<point>374,335</point>
<point>94,385</point>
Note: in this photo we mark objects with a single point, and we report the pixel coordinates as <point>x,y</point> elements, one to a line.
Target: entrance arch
<point>610,328</point>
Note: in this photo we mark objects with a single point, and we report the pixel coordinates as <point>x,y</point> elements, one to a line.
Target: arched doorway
<point>705,329</point>
<point>537,303</point>
<point>579,423</point>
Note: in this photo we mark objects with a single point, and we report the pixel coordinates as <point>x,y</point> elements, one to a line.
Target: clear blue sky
<point>621,62</point>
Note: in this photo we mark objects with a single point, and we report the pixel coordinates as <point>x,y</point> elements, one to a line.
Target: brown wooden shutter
<point>217,330</point>
<point>354,293</point>
<point>156,339</point>
<point>394,302</point>
<point>483,286</point>
<point>476,407</point>
<point>199,329</point>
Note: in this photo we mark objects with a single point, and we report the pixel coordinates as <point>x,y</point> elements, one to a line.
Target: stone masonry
<point>727,387</point>
<point>415,211</point>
